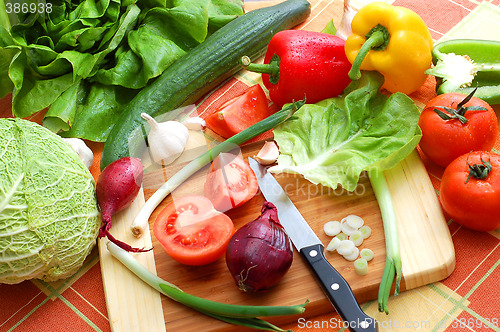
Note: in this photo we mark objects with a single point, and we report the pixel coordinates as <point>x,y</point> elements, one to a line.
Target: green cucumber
<point>201,70</point>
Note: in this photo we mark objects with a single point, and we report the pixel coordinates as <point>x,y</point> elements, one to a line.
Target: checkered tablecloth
<point>468,300</point>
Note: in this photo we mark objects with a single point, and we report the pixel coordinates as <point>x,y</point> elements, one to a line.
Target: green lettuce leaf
<point>333,141</point>
<point>6,56</point>
<point>4,17</point>
<point>98,108</point>
<point>99,52</point>
<point>221,12</point>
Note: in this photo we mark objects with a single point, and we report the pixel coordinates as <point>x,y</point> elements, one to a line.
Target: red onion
<point>117,186</point>
<point>259,253</point>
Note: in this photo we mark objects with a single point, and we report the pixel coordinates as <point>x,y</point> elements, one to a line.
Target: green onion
<point>361,266</point>
<point>333,244</point>
<point>392,266</point>
<point>254,323</point>
<point>366,254</point>
<point>346,247</point>
<point>366,231</point>
<point>341,236</point>
<point>140,222</point>
<point>235,314</point>
<point>331,228</point>
<point>357,238</point>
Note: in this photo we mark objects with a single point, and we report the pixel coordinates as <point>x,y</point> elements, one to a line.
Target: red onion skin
<point>117,186</point>
<point>259,253</point>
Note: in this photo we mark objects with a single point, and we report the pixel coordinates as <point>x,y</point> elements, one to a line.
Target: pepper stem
<point>272,68</point>
<point>377,39</point>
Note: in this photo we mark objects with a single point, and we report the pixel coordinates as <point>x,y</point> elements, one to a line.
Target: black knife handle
<point>338,291</point>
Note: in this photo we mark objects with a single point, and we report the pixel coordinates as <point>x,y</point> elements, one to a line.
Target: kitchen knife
<point>310,247</point>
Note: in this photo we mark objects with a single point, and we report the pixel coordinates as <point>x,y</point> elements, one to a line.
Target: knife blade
<point>311,249</point>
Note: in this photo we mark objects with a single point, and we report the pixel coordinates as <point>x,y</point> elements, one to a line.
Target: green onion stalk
<point>141,221</point>
<point>242,315</point>
<point>392,266</point>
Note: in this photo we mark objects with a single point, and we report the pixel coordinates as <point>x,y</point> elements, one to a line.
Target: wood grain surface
<point>426,246</point>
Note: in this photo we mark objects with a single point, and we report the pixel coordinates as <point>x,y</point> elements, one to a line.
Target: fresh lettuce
<point>333,141</point>
<point>86,59</point>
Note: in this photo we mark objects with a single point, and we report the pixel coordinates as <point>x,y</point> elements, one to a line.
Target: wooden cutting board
<point>426,246</point>
<point>426,249</point>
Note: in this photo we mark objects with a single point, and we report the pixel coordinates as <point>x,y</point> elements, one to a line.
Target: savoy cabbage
<point>49,218</point>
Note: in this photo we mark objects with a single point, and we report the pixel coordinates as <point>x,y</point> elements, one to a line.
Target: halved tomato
<point>239,112</point>
<point>230,183</point>
<point>192,232</point>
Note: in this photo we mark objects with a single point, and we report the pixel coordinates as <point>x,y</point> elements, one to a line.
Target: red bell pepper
<point>302,64</point>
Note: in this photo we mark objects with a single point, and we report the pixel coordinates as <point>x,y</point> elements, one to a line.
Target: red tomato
<point>445,140</point>
<point>192,232</point>
<point>230,183</point>
<point>475,204</point>
<point>239,112</point>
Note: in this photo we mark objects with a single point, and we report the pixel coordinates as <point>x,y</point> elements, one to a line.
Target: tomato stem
<point>459,112</point>
<point>479,171</point>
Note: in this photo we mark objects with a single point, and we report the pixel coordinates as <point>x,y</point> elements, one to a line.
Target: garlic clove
<point>344,29</point>
<point>195,123</point>
<point>268,154</point>
<point>166,140</point>
<point>83,151</point>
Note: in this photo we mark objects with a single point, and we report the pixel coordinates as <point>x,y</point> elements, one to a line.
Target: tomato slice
<point>192,232</point>
<point>230,183</point>
<point>239,112</point>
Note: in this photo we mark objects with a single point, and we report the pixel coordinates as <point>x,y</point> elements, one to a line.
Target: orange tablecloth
<point>468,300</point>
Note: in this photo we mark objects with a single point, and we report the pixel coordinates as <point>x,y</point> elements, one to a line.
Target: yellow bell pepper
<point>392,40</point>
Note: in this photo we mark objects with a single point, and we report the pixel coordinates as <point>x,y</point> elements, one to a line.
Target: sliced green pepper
<point>460,65</point>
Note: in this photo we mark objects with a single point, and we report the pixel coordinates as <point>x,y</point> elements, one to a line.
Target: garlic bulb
<point>166,140</point>
<point>344,29</point>
<point>82,150</point>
